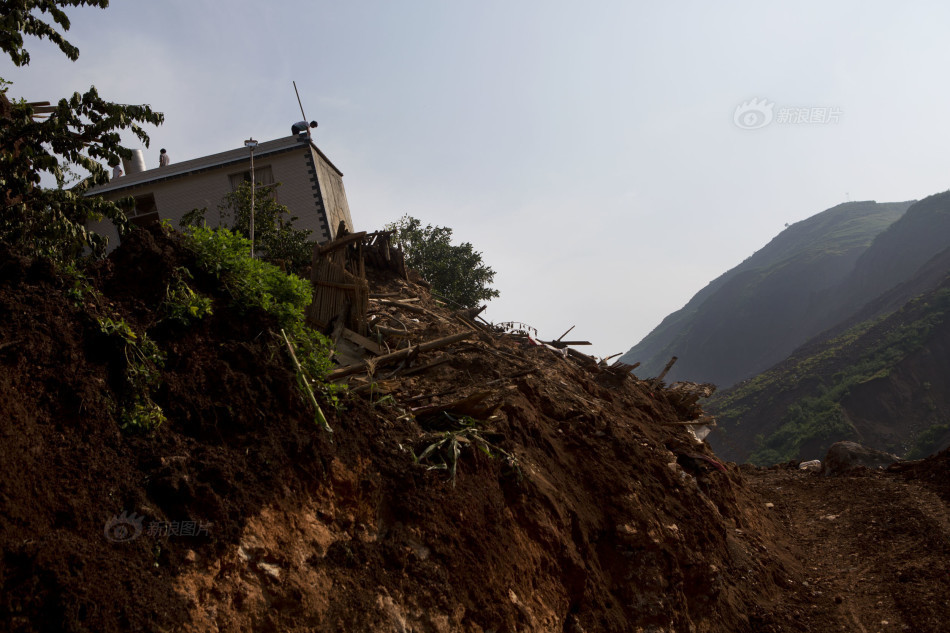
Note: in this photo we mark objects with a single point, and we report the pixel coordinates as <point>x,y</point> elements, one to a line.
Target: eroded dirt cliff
<point>591,509</point>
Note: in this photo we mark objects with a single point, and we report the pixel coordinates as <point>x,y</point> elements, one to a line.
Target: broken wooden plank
<point>566,333</point>
<point>583,358</point>
<point>394,356</point>
<point>619,367</point>
<point>368,344</point>
<point>559,344</point>
<point>467,323</point>
<point>471,313</point>
<point>666,370</point>
<point>407,306</point>
<point>323,249</point>
<point>622,369</point>
<point>407,299</point>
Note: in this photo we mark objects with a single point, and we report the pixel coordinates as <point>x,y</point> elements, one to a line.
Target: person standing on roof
<point>116,170</point>
<point>163,159</point>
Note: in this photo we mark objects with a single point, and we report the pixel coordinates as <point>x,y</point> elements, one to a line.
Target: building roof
<point>230,157</point>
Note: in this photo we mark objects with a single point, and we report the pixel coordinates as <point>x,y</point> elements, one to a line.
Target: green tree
<point>276,240</point>
<point>18,18</point>
<point>456,272</point>
<point>81,132</point>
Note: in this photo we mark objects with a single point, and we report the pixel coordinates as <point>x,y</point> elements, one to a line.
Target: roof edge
<point>196,165</point>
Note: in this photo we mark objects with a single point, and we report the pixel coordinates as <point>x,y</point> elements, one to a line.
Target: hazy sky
<point>591,151</point>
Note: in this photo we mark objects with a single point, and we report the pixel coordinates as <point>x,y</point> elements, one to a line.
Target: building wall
<point>298,191</point>
<point>333,194</point>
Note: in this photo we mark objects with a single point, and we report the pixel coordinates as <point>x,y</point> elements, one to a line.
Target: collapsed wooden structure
<point>338,274</point>
<point>394,340</point>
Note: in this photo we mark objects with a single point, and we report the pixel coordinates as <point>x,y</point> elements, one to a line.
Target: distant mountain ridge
<point>787,292</point>
<point>864,299</point>
<point>900,256</point>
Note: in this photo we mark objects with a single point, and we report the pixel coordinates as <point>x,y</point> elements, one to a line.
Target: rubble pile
<point>477,478</point>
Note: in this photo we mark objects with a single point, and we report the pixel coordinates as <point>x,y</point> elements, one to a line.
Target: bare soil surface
<point>873,546</point>
<point>594,511</point>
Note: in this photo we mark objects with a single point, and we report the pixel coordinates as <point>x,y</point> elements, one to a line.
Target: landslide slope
<point>591,509</point>
<point>780,297</point>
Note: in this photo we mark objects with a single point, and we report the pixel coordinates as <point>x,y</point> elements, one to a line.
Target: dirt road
<point>874,546</point>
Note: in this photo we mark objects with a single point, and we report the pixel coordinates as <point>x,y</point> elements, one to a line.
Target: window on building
<point>263,176</point>
<point>146,212</point>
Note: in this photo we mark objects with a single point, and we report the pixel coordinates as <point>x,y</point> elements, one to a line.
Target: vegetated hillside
<point>884,382</point>
<point>574,501</point>
<point>757,313</point>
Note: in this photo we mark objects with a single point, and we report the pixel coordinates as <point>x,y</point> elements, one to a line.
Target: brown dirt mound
<point>594,512</point>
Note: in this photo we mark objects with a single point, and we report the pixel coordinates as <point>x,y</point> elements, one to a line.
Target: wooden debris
<point>340,285</point>
<point>621,370</point>
<point>347,353</point>
<point>693,389</point>
<point>665,371</point>
<point>405,306</point>
<point>517,360</point>
<point>398,355</point>
<point>584,359</point>
<point>470,405</point>
<point>490,383</point>
<point>340,242</point>
<point>367,344</point>
<point>470,313</point>
<point>393,331</point>
<point>559,344</point>
<point>376,386</point>
<point>339,274</point>
<point>684,397</point>
<point>475,325</point>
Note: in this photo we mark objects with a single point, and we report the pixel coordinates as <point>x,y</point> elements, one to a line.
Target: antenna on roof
<point>303,125</point>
